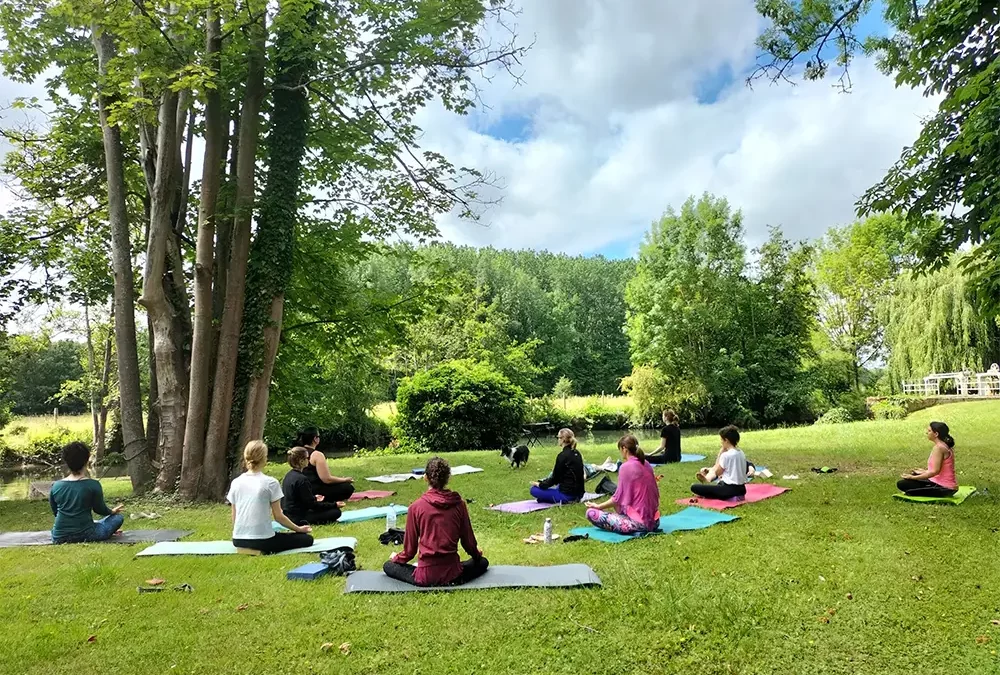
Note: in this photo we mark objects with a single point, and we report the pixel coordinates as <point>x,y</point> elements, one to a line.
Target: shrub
<point>604,416</point>
<point>889,409</point>
<point>460,405</point>
<point>835,416</point>
<point>854,403</point>
<point>545,410</point>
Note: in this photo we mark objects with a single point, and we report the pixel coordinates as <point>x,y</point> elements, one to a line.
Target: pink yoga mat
<point>370,494</point>
<point>755,493</point>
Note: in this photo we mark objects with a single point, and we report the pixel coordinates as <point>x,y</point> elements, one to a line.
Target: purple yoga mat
<point>530,505</point>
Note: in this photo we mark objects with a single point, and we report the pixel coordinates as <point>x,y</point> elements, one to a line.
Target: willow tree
<point>933,326</point>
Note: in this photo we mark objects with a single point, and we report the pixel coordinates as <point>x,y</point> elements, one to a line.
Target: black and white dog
<point>516,456</point>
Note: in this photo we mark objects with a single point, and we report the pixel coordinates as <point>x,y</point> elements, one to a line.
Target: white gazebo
<point>966,383</point>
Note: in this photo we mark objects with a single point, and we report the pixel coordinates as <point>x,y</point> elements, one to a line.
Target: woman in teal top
<point>74,498</point>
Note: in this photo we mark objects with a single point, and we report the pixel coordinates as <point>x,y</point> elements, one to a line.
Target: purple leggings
<point>614,522</point>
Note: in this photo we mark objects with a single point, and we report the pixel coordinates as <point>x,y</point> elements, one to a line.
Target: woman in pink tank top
<point>938,480</point>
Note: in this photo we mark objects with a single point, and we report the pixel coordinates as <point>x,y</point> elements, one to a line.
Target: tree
<point>709,330</point>
<point>855,267</point>
<point>932,326</point>
<point>949,49</point>
<point>37,368</point>
<point>563,389</point>
<point>361,71</point>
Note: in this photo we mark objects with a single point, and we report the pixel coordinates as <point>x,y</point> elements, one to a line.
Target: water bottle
<point>390,518</point>
<point>547,531</point>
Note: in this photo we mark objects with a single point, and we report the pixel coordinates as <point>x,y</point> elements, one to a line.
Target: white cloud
<point>618,134</point>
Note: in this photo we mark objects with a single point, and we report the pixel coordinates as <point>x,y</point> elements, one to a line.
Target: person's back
<point>295,486</point>
<point>73,502</point>
<point>946,476</point>
<point>672,443</point>
<point>638,495</point>
<point>440,517</point>
<point>734,467</point>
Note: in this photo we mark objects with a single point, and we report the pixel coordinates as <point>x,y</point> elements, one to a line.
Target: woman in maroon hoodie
<point>435,523</point>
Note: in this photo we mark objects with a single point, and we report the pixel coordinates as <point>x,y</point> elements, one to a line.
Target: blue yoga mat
<point>691,458</point>
<point>371,513</point>
<point>691,518</point>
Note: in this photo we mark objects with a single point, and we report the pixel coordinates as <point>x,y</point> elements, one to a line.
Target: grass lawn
<point>833,577</point>
<point>22,431</point>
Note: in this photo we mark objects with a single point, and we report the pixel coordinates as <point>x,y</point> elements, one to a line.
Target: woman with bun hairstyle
<point>636,502</point>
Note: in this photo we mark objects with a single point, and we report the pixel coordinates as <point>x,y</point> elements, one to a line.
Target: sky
<point>627,108</point>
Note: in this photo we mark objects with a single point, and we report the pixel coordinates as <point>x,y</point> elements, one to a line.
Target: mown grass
<point>833,577</point>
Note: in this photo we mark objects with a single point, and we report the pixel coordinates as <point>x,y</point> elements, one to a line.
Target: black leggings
<point>923,488</point>
<point>719,490</point>
<point>471,569</point>
<point>662,458</point>
<point>281,541</point>
<point>323,514</point>
<point>335,492</point>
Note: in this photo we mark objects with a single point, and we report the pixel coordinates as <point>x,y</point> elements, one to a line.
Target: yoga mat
<point>530,505</point>
<point>691,458</point>
<point>690,518</point>
<point>400,477</point>
<point>755,493</point>
<point>371,513</point>
<point>963,493</point>
<point>370,494</point>
<point>12,539</point>
<point>227,548</point>
<point>499,576</point>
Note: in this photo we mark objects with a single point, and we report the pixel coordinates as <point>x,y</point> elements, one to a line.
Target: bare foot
<point>701,477</point>
<point>341,504</point>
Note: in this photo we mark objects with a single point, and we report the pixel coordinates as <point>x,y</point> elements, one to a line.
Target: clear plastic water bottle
<point>547,531</point>
<point>390,518</point>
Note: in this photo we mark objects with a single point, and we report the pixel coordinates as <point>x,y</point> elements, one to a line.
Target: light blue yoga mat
<point>691,518</point>
<point>371,513</point>
<point>691,458</point>
<point>227,548</point>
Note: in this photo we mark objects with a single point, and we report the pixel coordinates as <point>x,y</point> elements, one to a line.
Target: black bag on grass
<point>339,560</point>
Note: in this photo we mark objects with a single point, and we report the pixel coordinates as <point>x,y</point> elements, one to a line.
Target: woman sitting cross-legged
<point>75,497</point>
<point>333,488</point>
<point>435,524</point>
<point>567,475</point>
<point>637,499</point>
<point>730,468</point>
<point>938,480</point>
<point>300,504</point>
<point>256,501</point>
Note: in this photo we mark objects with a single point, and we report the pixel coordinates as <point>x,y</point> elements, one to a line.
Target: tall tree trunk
<point>91,376</point>
<point>102,419</point>
<point>139,468</point>
<point>172,402</point>
<point>272,254</point>
<point>224,223</point>
<point>152,400</point>
<point>214,476</point>
<point>203,339</point>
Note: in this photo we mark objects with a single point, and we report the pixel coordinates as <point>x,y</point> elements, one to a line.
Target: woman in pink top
<point>637,499</point>
<point>939,478</point>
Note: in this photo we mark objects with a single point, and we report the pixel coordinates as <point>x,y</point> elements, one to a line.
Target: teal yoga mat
<point>691,458</point>
<point>371,513</point>
<point>227,548</point>
<point>691,518</point>
<point>963,493</point>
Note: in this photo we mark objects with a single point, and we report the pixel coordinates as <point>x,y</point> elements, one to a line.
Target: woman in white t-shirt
<point>730,467</point>
<point>256,501</point>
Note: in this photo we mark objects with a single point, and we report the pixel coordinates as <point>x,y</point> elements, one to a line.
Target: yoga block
<point>309,571</point>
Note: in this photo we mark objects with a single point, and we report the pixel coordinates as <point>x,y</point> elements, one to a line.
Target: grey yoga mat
<point>226,547</point>
<point>12,539</point>
<point>498,576</point>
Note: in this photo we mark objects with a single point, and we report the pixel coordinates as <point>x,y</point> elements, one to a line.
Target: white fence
<point>961,384</point>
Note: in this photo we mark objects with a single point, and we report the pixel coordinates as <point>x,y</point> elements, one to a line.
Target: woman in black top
<point>300,503</point>
<point>670,441</point>
<point>567,474</point>
<point>333,488</point>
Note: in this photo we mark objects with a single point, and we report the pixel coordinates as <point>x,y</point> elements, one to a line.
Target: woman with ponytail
<point>566,476</point>
<point>938,480</point>
<point>636,502</point>
<point>256,501</point>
